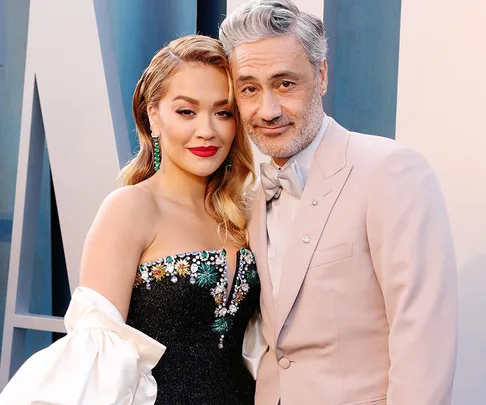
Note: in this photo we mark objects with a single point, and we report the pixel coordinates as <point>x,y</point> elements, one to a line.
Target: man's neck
<point>281,161</point>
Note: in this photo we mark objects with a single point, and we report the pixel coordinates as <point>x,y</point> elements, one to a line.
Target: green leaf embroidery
<point>222,325</point>
<point>207,275</point>
<point>252,275</point>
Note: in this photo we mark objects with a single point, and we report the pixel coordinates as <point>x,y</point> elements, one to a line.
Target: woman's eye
<point>186,112</point>
<point>224,114</point>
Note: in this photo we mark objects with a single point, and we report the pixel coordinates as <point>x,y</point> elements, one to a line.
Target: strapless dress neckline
<point>206,268</point>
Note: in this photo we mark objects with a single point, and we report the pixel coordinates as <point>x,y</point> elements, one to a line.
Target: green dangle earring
<point>155,140</point>
<point>229,165</point>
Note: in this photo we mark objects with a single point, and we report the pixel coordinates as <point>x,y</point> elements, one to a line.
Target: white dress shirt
<point>281,212</point>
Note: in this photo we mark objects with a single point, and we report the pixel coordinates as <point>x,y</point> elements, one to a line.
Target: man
<point>350,233</point>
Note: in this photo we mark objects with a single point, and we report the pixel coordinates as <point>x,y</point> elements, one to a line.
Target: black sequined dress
<point>181,301</point>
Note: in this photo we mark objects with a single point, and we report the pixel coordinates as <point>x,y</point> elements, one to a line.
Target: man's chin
<point>274,136</point>
<point>274,151</point>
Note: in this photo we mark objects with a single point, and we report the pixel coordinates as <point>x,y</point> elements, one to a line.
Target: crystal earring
<point>155,140</point>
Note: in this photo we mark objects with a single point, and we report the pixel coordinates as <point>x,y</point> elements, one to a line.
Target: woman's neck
<point>175,182</point>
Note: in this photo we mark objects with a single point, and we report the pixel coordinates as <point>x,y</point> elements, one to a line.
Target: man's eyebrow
<point>278,75</point>
<point>244,78</point>
<point>285,73</point>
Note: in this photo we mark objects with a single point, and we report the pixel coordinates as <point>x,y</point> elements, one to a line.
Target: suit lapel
<point>327,177</point>
<point>258,242</point>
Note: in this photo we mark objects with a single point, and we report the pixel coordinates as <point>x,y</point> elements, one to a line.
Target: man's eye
<point>248,90</point>
<point>286,84</point>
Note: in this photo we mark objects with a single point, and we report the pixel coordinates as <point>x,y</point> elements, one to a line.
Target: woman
<point>167,254</point>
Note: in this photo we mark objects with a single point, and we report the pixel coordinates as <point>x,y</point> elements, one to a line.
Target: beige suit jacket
<point>367,307</point>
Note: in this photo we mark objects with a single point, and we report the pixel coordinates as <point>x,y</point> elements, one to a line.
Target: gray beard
<point>300,141</point>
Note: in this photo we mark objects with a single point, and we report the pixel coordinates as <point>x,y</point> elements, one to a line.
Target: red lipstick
<point>204,151</point>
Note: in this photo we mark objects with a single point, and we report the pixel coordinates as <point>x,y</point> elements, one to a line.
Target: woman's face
<point>193,121</point>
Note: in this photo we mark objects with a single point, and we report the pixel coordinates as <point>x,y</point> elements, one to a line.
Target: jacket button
<point>284,363</point>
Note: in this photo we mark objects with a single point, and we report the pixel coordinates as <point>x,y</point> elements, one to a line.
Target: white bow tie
<point>274,180</point>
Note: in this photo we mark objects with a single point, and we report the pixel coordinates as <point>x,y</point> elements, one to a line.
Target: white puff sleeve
<point>101,361</point>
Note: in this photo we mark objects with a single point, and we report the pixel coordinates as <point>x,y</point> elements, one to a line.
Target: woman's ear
<point>153,117</point>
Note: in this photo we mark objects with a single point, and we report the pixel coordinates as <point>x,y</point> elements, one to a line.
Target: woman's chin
<point>204,170</point>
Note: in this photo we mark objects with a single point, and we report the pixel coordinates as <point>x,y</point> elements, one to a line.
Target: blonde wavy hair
<point>225,198</point>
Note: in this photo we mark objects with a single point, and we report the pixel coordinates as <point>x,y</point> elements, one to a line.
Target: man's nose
<point>269,108</point>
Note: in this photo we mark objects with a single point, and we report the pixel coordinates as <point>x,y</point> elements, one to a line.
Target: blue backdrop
<point>363,59</point>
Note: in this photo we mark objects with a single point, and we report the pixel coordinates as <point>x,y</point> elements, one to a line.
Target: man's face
<point>278,92</point>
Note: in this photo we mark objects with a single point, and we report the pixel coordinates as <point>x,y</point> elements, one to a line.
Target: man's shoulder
<point>371,146</point>
<point>373,149</point>
<point>358,146</point>
<point>368,152</point>
<point>377,156</point>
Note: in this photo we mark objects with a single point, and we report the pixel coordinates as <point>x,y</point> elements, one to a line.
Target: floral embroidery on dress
<point>206,269</point>
<point>159,271</point>
<point>246,276</point>
<point>138,279</point>
<point>182,267</point>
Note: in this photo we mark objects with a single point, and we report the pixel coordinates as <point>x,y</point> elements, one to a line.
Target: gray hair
<point>255,20</point>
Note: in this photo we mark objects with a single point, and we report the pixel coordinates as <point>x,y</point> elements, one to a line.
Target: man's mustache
<point>276,122</point>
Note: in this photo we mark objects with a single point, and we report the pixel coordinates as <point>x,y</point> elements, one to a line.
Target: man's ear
<point>323,76</point>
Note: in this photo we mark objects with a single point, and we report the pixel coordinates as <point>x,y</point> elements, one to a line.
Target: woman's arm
<point>122,230</point>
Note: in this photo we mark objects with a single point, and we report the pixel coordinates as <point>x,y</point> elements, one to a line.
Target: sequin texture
<point>189,310</point>
<point>212,270</point>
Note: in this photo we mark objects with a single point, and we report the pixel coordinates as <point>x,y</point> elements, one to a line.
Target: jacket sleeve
<point>413,255</point>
